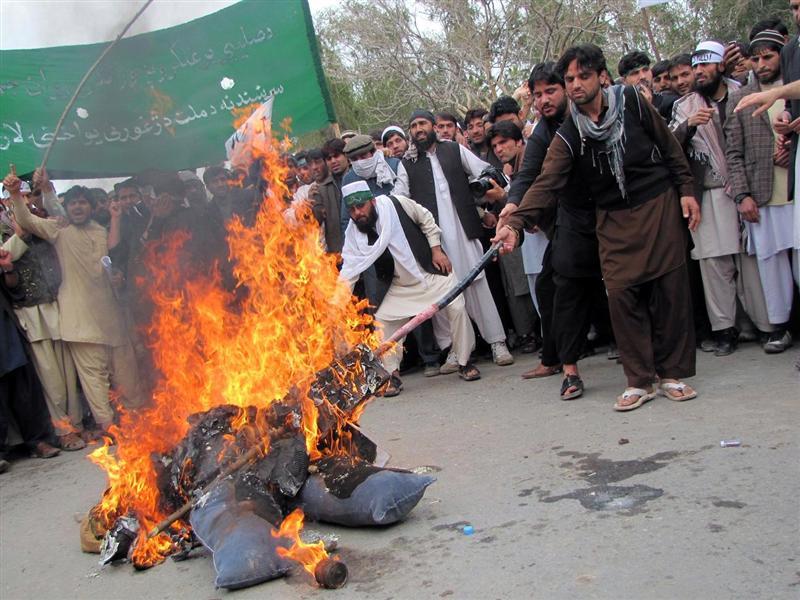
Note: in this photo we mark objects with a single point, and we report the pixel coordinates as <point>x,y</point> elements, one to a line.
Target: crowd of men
<point>650,215</point>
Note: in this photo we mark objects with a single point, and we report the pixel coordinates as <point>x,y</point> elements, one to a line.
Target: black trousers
<point>22,400</point>
<point>545,293</point>
<point>576,301</point>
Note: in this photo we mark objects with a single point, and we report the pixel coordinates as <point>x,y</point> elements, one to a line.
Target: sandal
<point>469,372</point>
<point>571,381</point>
<point>642,395</point>
<point>393,388</point>
<point>96,435</point>
<point>684,391</point>
<point>44,450</point>
<point>541,371</point>
<point>71,442</point>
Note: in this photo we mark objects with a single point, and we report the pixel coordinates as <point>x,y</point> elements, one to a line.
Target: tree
<point>384,58</point>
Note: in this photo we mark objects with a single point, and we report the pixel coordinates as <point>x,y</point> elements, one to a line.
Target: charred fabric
<point>237,506</point>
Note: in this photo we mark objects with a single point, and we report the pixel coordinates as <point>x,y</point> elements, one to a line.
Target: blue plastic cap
<point>469,530</point>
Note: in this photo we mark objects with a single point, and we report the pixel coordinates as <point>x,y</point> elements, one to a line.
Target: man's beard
<point>425,143</point>
<point>587,99</point>
<point>771,78</point>
<point>558,117</point>
<point>710,88</point>
<point>369,225</point>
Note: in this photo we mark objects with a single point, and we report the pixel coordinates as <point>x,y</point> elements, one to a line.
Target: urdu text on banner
<point>163,99</point>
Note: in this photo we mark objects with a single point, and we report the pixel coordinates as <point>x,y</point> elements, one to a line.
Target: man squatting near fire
<point>615,143</point>
<point>402,240</point>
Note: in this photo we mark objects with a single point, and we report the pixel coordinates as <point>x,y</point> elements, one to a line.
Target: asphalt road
<point>561,507</point>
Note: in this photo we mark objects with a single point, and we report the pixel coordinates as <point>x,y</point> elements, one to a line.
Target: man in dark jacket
<point>327,201</point>
<point>607,145</point>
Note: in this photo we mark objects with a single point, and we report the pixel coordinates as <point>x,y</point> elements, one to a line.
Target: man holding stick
<point>401,239</point>
<point>615,142</point>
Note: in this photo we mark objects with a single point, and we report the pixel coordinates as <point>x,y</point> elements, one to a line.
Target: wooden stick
<point>244,459</point>
<point>85,78</point>
<point>442,302</point>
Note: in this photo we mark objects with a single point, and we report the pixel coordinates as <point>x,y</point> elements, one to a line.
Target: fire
<point>288,318</point>
<point>308,555</point>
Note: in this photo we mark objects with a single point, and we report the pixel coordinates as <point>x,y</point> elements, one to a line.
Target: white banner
<point>645,3</point>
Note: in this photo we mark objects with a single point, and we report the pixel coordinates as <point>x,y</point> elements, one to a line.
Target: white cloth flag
<point>256,130</point>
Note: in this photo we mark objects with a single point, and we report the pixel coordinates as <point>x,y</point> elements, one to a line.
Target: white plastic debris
<point>82,113</point>
<point>227,83</point>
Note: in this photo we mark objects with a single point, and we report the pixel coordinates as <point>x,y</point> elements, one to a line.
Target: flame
<point>287,318</point>
<point>242,113</point>
<point>308,555</point>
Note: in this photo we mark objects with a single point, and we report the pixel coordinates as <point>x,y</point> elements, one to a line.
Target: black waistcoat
<point>420,247</point>
<point>423,189</point>
<point>646,175</point>
<point>39,274</point>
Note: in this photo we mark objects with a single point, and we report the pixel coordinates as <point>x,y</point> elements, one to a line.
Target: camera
<point>481,185</point>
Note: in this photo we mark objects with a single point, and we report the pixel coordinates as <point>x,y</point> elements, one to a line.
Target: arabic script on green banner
<point>162,99</point>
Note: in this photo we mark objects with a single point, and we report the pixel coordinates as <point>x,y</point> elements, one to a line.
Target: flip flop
<point>644,396</point>
<point>678,386</point>
<point>571,381</point>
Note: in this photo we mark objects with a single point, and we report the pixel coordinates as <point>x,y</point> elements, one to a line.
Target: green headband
<point>357,198</point>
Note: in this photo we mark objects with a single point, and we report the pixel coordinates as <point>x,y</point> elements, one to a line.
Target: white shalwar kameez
<point>532,255</point>
<point>796,245</point>
<point>462,252</point>
<point>412,289</point>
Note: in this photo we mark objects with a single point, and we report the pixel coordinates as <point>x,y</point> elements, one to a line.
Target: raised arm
<point>43,228</point>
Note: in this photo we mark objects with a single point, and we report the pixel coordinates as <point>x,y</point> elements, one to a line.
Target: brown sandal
<point>394,386</point>
<point>71,442</point>
<point>541,371</point>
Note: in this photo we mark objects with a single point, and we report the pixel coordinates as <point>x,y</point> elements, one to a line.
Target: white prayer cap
<point>393,129</point>
<point>708,52</point>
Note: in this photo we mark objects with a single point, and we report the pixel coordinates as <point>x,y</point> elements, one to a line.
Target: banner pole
<point>83,82</point>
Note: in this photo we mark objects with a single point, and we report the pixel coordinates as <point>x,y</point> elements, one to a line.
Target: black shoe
<point>529,344</point>
<point>726,342</point>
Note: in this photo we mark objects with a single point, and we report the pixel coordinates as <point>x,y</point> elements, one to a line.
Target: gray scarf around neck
<point>610,132</point>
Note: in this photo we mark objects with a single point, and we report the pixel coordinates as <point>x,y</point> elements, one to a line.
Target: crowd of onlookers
<point>73,316</point>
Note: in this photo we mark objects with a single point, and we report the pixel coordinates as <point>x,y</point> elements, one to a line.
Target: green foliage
<point>383,58</point>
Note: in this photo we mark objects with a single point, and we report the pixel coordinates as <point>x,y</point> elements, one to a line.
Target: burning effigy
<point>255,410</point>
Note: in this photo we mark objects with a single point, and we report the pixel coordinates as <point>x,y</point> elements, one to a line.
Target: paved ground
<point>561,508</point>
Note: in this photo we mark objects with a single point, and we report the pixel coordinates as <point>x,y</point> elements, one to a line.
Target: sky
<point>40,23</point>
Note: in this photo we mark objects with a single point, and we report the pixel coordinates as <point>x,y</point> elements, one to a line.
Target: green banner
<point>164,99</point>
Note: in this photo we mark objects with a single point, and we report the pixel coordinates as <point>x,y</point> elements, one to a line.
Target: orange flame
<point>308,555</point>
<point>288,318</point>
